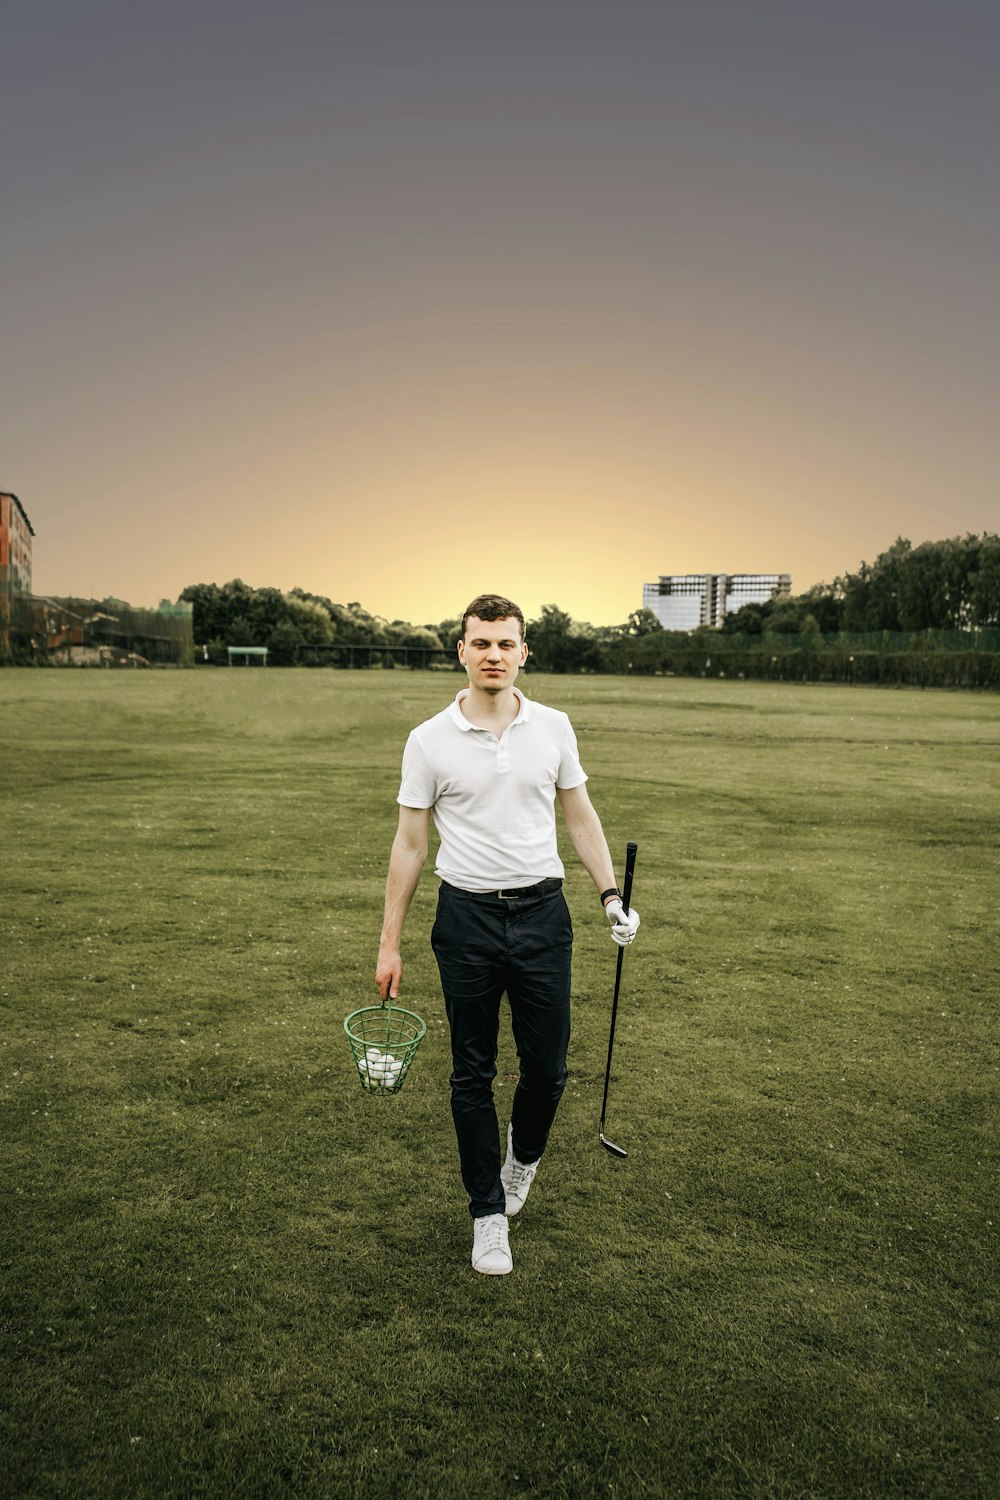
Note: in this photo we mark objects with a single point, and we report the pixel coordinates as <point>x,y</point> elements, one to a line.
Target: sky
<point>400,301</point>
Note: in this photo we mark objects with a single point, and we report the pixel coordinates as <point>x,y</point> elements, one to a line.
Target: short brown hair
<point>492,607</point>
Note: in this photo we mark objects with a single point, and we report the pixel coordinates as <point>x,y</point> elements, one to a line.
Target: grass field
<point>227,1271</point>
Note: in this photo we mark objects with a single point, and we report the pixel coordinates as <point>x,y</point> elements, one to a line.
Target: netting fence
<point>42,631</point>
<point>938,658</point>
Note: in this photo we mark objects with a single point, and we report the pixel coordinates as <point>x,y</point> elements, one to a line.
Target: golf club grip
<point>631,849</point>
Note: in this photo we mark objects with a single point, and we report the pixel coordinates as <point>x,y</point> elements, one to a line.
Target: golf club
<point>630,852</point>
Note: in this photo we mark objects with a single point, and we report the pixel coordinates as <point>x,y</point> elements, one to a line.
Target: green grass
<point>227,1271</point>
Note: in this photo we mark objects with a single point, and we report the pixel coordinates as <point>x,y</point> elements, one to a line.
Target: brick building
<point>16,533</point>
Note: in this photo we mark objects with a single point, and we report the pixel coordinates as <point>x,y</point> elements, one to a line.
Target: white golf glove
<point>623,926</point>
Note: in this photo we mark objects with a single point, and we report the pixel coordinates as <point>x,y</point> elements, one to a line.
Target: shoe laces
<point>492,1232</point>
<point>520,1173</point>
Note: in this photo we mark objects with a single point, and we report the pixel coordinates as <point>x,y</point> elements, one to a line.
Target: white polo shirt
<point>492,800</point>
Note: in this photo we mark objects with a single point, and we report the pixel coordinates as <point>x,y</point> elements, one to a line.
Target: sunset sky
<point>401,300</point>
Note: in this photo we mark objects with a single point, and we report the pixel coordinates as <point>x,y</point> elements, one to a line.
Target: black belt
<point>512,893</point>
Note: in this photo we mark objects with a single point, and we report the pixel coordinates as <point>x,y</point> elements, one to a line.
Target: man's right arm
<point>409,854</point>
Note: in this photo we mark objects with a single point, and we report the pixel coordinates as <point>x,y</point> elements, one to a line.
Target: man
<point>490,767</point>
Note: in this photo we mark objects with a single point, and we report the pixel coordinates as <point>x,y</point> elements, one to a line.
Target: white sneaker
<point>516,1177</point>
<point>490,1246</point>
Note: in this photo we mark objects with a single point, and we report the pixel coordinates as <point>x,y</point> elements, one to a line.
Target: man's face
<point>492,653</point>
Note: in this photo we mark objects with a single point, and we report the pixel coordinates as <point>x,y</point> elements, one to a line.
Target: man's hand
<point>388,973</point>
<point>623,926</point>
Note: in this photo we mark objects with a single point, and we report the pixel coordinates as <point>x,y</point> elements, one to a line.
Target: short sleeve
<point>417,787</point>
<point>570,773</point>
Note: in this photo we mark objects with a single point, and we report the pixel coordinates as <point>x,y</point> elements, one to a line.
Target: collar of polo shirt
<point>455,709</point>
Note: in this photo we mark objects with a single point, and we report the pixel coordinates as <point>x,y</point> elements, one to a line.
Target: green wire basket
<point>384,1041</point>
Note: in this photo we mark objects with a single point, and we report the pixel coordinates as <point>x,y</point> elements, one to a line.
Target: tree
<point>785,617</point>
<point>547,637</point>
<point>401,633</point>
<point>944,585</point>
<point>448,632</point>
<point>924,599</point>
<point>643,622</point>
<point>283,643</point>
<point>750,619</point>
<point>810,635</point>
<point>266,610</point>
<point>825,603</point>
<point>210,615</point>
<point>239,632</point>
<point>871,596</point>
<point>583,649</point>
<point>310,619</point>
<point>984,595</point>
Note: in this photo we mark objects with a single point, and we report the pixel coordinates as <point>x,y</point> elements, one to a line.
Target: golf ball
<point>380,1069</point>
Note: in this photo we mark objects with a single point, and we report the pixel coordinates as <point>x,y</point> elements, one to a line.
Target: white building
<point>683,601</point>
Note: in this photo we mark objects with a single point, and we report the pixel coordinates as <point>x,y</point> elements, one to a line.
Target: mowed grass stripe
<point>228,1271</point>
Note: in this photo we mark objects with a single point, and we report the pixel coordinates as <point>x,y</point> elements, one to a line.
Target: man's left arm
<point>587,836</point>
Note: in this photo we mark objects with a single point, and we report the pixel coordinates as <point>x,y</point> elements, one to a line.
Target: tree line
<point>907,601</point>
<point>948,585</point>
<point>293,625</point>
<point>234,614</point>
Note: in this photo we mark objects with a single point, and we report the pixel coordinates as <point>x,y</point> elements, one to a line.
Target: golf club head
<point>610,1146</point>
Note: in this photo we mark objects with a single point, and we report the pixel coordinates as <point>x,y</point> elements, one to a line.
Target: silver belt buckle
<point>518,891</point>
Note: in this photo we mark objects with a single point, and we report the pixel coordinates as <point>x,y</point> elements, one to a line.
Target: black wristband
<point>611,891</point>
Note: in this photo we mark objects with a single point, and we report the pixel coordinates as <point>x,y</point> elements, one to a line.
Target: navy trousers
<point>485,946</point>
